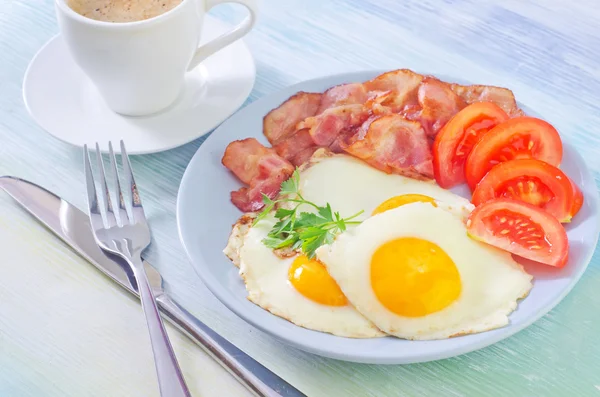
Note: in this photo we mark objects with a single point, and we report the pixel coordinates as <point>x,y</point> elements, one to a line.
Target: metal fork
<point>123,231</point>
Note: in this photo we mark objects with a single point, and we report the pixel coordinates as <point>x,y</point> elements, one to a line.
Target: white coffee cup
<point>139,67</point>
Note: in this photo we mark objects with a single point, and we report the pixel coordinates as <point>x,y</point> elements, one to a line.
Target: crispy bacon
<point>502,97</point>
<point>350,136</point>
<point>325,127</point>
<point>345,94</point>
<point>324,130</point>
<point>257,166</point>
<point>303,156</point>
<point>438,104</point>
<point>281,122</point>
<point>347,136</point>
<point>402,84</point>
<point>394,144</point>
<point>388,121</point>
<point>299,141</point>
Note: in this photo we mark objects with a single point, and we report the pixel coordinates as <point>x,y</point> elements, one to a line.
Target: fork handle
<point>170,379</point>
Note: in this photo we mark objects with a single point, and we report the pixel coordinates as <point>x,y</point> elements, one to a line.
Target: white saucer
<point>63,101</point>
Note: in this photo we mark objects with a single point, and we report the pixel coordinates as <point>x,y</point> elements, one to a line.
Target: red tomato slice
<point>522,229</point>
<point>577,199</point>
<point>518,138</point>
<point>530,180</point>
<point>456,139</point>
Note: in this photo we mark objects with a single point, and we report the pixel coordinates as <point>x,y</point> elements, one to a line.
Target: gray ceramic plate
<point>205,216</point>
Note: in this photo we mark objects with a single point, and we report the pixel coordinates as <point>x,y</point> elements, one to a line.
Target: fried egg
<point>296,288</point>
<point>350,185</point>
<point>413,271</point>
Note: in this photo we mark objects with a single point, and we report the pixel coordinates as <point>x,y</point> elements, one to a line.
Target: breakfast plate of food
<point>388,217</point>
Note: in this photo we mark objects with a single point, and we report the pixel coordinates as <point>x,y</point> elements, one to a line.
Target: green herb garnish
<point>304,230</point>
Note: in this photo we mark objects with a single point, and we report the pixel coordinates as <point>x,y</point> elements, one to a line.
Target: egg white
<point>350,185</point>
<point>491,280</point>
<point>266,278</point>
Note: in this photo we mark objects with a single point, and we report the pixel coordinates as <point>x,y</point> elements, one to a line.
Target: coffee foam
<point>122,10</point>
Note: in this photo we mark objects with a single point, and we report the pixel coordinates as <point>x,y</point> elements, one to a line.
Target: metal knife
<point>72,226</point>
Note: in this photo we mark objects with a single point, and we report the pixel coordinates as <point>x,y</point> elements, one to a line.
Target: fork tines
<point>129,209</point>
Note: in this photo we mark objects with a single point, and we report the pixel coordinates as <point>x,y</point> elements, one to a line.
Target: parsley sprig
<point>301,230</point>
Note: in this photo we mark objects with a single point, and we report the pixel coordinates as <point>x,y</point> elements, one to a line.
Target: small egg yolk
<point>311,279</point>
<point>413,277</point>
<point>397,201</point>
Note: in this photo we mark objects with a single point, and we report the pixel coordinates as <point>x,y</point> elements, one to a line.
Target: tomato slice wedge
<point>532,181</point>
<point>521,229</point>
<point>455,140</point>
<point>518,138</point>
<point>577,199</point>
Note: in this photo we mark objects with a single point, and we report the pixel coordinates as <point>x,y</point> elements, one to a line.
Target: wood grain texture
<point>547,51</point>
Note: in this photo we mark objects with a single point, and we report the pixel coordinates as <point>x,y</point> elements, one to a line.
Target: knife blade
<point>72,226</point>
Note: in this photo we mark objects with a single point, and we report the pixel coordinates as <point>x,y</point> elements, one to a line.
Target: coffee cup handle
<point>206,50</point>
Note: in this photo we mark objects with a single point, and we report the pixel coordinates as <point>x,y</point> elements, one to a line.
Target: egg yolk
<point>312,280</point>
<point>401,200</point>
<point>413,277</point>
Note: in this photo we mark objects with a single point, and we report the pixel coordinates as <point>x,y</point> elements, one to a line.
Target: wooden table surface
<point>66,330</point>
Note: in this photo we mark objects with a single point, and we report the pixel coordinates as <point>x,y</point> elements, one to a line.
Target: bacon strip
<point>345,94</point>
<point>299,141</point>
<point>350,136</point>
<point>257,166</point>
<point>303,156</point>
<point>502,97</point>
<point>325,128</point>
<point>402,84</point>
<point>280,123</point>
<point>394,144</point>
<point>438,104</point>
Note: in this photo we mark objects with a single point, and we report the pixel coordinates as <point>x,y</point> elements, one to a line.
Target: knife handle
<point>258,379</point>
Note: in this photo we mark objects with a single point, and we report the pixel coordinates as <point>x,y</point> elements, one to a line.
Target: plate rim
<point>506,331</point>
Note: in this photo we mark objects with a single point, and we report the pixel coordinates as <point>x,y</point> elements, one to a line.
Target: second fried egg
<point>414,272</point>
